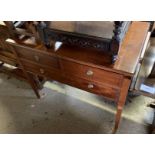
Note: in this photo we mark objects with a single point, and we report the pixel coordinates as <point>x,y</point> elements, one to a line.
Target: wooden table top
<point>128,56</point>
<point>131,47</point>
<point>129,53</point>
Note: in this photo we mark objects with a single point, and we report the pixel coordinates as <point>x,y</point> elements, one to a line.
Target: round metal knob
<point>90,86</point>
<point>42,71</point>
<point>36,57</point>
<point>89,73</point>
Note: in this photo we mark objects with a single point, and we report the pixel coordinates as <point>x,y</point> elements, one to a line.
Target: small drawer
<point>91,73</point>
<point>40,70</point>
<point>37,56</point>
<point>7,57</point>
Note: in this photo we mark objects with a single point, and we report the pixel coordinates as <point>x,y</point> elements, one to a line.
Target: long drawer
<point>37,56</point>
<point>94,87</point>
<point>91,73</point>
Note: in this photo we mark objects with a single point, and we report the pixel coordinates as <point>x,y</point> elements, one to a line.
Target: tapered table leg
<point>121,102</point>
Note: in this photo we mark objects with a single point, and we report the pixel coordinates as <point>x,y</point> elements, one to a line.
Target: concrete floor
<point>65,110</point>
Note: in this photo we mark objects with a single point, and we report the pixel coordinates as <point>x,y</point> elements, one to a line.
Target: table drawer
<point>8,60</point>
<point>94,87</point>
<point>40,70</point>
<point>7,57</point>
<point>37,56</point>
<point>91,73</point>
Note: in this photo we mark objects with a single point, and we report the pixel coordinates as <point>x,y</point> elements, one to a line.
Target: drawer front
<point>94,87</point>
<point>40,70</point>
<point>38,57</point>
<point>91,73</point>
<point>6,57</point>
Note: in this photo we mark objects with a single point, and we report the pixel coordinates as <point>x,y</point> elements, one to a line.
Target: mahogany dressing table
<point>87,69</point>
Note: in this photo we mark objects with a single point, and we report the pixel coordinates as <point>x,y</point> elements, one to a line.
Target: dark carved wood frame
<point>109,45</point>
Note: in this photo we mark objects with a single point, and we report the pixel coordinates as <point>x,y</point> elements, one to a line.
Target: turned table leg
<point>121,102</point>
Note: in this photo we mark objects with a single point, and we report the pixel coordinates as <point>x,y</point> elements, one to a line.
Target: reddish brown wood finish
<point>91,86</point>
<point>91,73</point>
<point>70,65</point>
<point>121,101</point>
<point>36,56</point>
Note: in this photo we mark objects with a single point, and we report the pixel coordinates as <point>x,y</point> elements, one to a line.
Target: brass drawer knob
<point>89,73</point>
<point>90,86</point>
<point>36,57</point>
<point>42,71</point>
